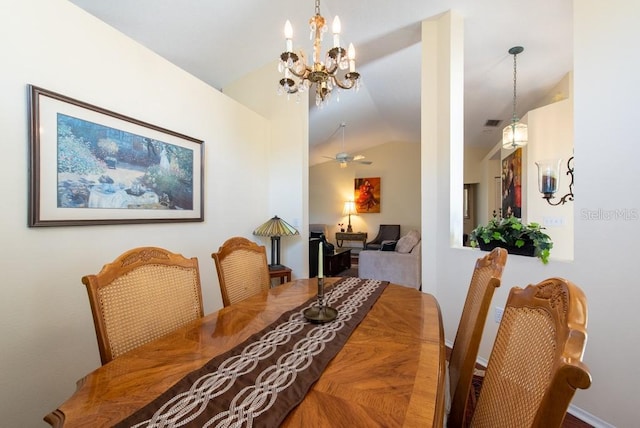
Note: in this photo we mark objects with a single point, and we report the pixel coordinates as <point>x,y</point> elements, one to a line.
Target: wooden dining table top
<point>389,373</point>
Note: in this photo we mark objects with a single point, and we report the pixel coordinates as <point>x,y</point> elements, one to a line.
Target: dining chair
<point>242,269</point>
<point>536,363</point>
<point>486,277</point>
<point>143,294</point>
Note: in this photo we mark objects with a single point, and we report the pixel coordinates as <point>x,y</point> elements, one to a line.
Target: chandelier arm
<point>303,75</point>
<point>331,71</point>
<point>348,83</point>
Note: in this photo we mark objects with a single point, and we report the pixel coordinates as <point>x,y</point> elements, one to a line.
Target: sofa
<point>389,264</point>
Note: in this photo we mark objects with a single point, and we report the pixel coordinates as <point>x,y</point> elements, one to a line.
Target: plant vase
<point>527,249</point>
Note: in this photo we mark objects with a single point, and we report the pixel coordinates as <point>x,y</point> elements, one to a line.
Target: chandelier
<point>515,134</point>
<point>300,76</point>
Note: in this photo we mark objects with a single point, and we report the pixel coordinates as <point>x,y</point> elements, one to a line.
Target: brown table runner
<point>261,380</point>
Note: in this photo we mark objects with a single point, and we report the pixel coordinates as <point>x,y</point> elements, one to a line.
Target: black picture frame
<point>92,166</point>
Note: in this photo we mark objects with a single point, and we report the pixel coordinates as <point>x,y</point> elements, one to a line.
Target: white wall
<point>607,225</point>
<point>397,165</point>
<point>551,136</point>
<point>47,339</point>
<point>288,157</point>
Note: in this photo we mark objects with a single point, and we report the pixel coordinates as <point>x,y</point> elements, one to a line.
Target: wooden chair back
<point>486,277</point>
<point>536,364</point>
<point>242,269</point>
<point>145,293</point>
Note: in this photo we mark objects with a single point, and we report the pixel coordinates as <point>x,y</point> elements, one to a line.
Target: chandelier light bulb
<point>336,32</point>
<point>351,52</point>
<point>288,35</point>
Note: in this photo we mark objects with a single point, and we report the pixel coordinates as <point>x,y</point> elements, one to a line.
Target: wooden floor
<point>570,421</point>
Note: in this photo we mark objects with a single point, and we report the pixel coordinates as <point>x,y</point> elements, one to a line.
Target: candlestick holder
<point>321,313</point>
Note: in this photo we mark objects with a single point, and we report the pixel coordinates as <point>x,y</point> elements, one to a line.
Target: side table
<point>284,274</point>
<point>337,262</point>
<point>351,236</point>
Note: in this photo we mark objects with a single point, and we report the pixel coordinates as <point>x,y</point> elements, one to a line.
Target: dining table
<point>388,372</point>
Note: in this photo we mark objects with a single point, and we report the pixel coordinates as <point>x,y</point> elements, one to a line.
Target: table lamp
<point>275,228</point>
<point>349,208</point>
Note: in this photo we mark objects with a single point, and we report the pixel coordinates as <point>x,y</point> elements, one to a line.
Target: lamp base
<point>349,229</point>
<point>320,314</point>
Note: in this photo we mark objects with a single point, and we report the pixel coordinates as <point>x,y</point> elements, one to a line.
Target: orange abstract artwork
<point>367,195</point>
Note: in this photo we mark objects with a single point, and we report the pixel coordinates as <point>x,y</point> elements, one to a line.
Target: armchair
<point>387,232</point>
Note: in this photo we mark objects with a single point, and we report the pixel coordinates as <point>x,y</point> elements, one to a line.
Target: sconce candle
<point>548,184</point>
<point>548,174</point>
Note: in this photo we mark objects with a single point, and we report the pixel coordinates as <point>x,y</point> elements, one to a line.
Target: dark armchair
<point>387,232</point>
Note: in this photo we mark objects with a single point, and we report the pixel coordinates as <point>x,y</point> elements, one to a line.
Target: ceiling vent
<point>493,123</point>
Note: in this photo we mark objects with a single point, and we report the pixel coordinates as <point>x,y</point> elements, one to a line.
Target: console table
<point>351,236</point>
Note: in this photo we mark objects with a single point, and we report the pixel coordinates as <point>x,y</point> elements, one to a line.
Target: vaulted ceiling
<point>220,42</point>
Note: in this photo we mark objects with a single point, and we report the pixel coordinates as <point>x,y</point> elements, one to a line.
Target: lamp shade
<point>515,135</point>
<point>349,208</point>
<point>275,227</point>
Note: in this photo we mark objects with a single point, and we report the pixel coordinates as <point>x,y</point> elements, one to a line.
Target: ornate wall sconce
<point>549,178</point>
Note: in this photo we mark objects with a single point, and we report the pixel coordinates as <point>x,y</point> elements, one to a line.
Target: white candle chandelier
<point>299,76</point>
<point>515,134</point>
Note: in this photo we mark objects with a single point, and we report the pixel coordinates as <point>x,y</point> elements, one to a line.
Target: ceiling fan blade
<point>364,162</point>
<point>358,157</point>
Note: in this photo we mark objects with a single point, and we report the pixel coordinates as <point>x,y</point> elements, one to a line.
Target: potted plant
<point>510,234</point>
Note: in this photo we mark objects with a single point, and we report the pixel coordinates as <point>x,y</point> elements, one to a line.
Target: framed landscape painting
<point>92,166</point>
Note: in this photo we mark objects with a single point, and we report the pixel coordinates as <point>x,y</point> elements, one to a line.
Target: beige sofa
<point>395,267</point>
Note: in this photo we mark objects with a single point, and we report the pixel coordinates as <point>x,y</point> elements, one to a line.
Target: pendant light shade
<point>515,135</point>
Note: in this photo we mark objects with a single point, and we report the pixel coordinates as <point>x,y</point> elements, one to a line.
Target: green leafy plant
<point>511,232</point>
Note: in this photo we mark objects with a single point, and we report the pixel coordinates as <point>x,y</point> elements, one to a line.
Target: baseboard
<point>573,409</point>
<point>588,417</point>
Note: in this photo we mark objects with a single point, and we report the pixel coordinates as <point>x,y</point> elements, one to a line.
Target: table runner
<point>258,382</point>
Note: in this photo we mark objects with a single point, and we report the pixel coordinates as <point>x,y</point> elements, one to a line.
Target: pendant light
<point>515,134</point>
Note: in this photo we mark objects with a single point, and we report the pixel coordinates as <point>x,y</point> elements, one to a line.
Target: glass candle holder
<point>548,176</point>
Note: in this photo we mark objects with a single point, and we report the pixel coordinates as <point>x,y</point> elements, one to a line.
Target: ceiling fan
<point>344,158</point>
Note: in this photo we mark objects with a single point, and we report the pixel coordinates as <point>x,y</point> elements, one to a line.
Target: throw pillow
<point>389,246</point>
<point>408,241</point>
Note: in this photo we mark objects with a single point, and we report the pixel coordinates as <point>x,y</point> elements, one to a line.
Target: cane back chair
<point>486,277</point>
<point>536,363</point>
<point>242,269</point>
<point>145,293</point>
